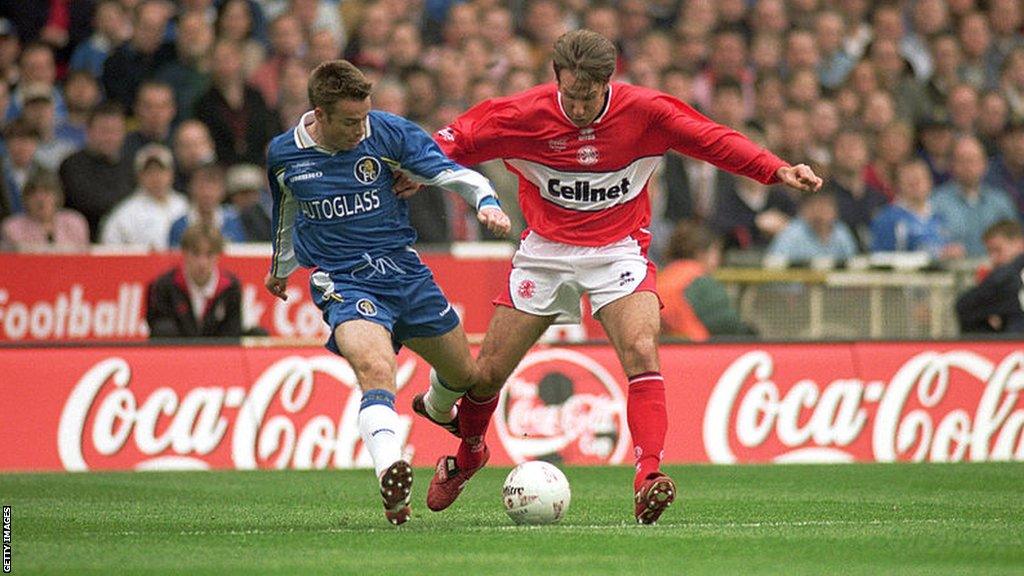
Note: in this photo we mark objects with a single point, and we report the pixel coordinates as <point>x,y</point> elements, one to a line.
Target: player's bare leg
<point>633,324</point>
<point>367,347</point>
<point>453,373</point>
<point>509,336</point>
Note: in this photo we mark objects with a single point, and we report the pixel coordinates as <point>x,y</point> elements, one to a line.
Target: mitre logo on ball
<point>562,406</point>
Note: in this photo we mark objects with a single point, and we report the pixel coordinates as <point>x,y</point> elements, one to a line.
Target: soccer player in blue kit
<point>335,211</point>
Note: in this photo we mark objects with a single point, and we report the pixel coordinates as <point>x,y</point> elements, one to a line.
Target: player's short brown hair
<point>337,80</point>
<point>194,236</point>
<point>1006,228</point>
<point>588,55</point>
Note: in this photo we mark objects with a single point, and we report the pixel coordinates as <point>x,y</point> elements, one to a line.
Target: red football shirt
<point>588,186</point>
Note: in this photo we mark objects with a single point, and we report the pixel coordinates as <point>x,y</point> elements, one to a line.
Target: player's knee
<point>641,353</point>
<point>374,372</point>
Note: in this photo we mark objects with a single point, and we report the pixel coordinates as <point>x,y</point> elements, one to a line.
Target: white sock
<point>378,427</point>
<point>440,400</point>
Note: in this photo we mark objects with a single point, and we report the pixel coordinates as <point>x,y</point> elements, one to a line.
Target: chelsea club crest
<point>367,169</point>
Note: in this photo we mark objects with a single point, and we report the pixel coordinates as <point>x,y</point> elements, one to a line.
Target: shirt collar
<point>304,140</point>
<point>604,111</point>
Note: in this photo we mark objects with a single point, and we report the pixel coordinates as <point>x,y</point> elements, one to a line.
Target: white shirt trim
<point>303,139</point>
<point>604,111</point>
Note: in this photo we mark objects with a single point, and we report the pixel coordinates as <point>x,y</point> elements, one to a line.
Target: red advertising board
<point>123,408</point>
<point>59,298</point>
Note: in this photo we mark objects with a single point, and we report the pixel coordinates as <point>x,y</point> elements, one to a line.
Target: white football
<point>536,493</point>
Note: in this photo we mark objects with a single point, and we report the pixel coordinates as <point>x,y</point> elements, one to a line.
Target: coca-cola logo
<point>562,405</point>
<point>918,415</point>
<point>274,424</point>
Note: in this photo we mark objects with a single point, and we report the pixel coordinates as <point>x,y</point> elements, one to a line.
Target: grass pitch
<point>796,519</point>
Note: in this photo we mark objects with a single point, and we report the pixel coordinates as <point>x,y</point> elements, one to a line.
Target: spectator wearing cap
<point>56,140</point>
<point>154,113</point>
<point>816,233</point>
<point>19,162</point>
<point>1006,171</point>
<point>206,192</point>
<point>111,26</point>
<point>197,298</point>
<point>140,57</point>
<point>44,225</point>
<point>193,147</point>
<point>98,177</point>
<point>246,192</point>
<point>239,120</point>
<point>966,203</point>
<point>910,224</point>
<point>37,69</point>
<point>145,217</point>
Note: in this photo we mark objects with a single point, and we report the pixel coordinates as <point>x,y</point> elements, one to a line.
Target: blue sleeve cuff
<point>489,201</point>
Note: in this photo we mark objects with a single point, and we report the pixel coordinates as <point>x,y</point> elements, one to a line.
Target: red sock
<point>648,422</point>
<point>474,416</point>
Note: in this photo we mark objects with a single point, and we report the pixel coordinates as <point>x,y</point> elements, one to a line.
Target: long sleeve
<point>283,261</point>
<point>428,164</point>
<point>693,134</point>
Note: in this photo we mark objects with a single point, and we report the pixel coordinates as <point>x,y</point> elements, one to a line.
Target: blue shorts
<point>399,293</point>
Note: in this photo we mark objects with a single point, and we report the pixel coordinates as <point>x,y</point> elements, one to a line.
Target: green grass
<point>851,519</point>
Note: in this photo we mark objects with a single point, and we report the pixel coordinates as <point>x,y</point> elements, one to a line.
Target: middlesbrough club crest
<point>587,155</point>
<point>526,289</point>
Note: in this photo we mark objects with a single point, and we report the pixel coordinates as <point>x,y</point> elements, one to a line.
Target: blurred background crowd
<point>124,121</point>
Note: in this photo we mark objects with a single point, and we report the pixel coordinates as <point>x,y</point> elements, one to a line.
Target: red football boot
<point>656,494</point>
<point>448,481</point>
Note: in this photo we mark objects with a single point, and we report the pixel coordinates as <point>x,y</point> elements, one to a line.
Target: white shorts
<point>549,278</point>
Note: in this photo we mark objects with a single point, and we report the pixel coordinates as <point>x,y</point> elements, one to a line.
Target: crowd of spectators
<point>146,116</point>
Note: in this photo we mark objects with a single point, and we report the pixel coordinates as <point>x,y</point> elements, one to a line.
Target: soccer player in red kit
<point>584,149</point>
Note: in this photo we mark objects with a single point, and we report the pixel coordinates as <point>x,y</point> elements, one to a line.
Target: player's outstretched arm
<point>800,177</point>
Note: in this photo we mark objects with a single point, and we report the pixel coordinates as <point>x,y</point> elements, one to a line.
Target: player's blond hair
<point>337,80</point>
<point>588,55</point>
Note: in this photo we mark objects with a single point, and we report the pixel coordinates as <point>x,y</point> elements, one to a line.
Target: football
<point>536,493</point>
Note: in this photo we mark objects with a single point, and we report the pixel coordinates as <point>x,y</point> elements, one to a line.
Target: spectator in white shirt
<point>145,217</point>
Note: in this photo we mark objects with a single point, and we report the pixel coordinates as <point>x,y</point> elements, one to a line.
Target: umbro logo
<point>626,278</point>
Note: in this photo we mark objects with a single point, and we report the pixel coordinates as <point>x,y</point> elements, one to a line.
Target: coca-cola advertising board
<point>146,408</point>
<point>81,297</point>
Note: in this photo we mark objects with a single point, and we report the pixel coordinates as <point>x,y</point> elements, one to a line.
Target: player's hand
<point>800,177</point>
<point>404,186</point>
<point>495,220</point>
<point>277,286</point>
